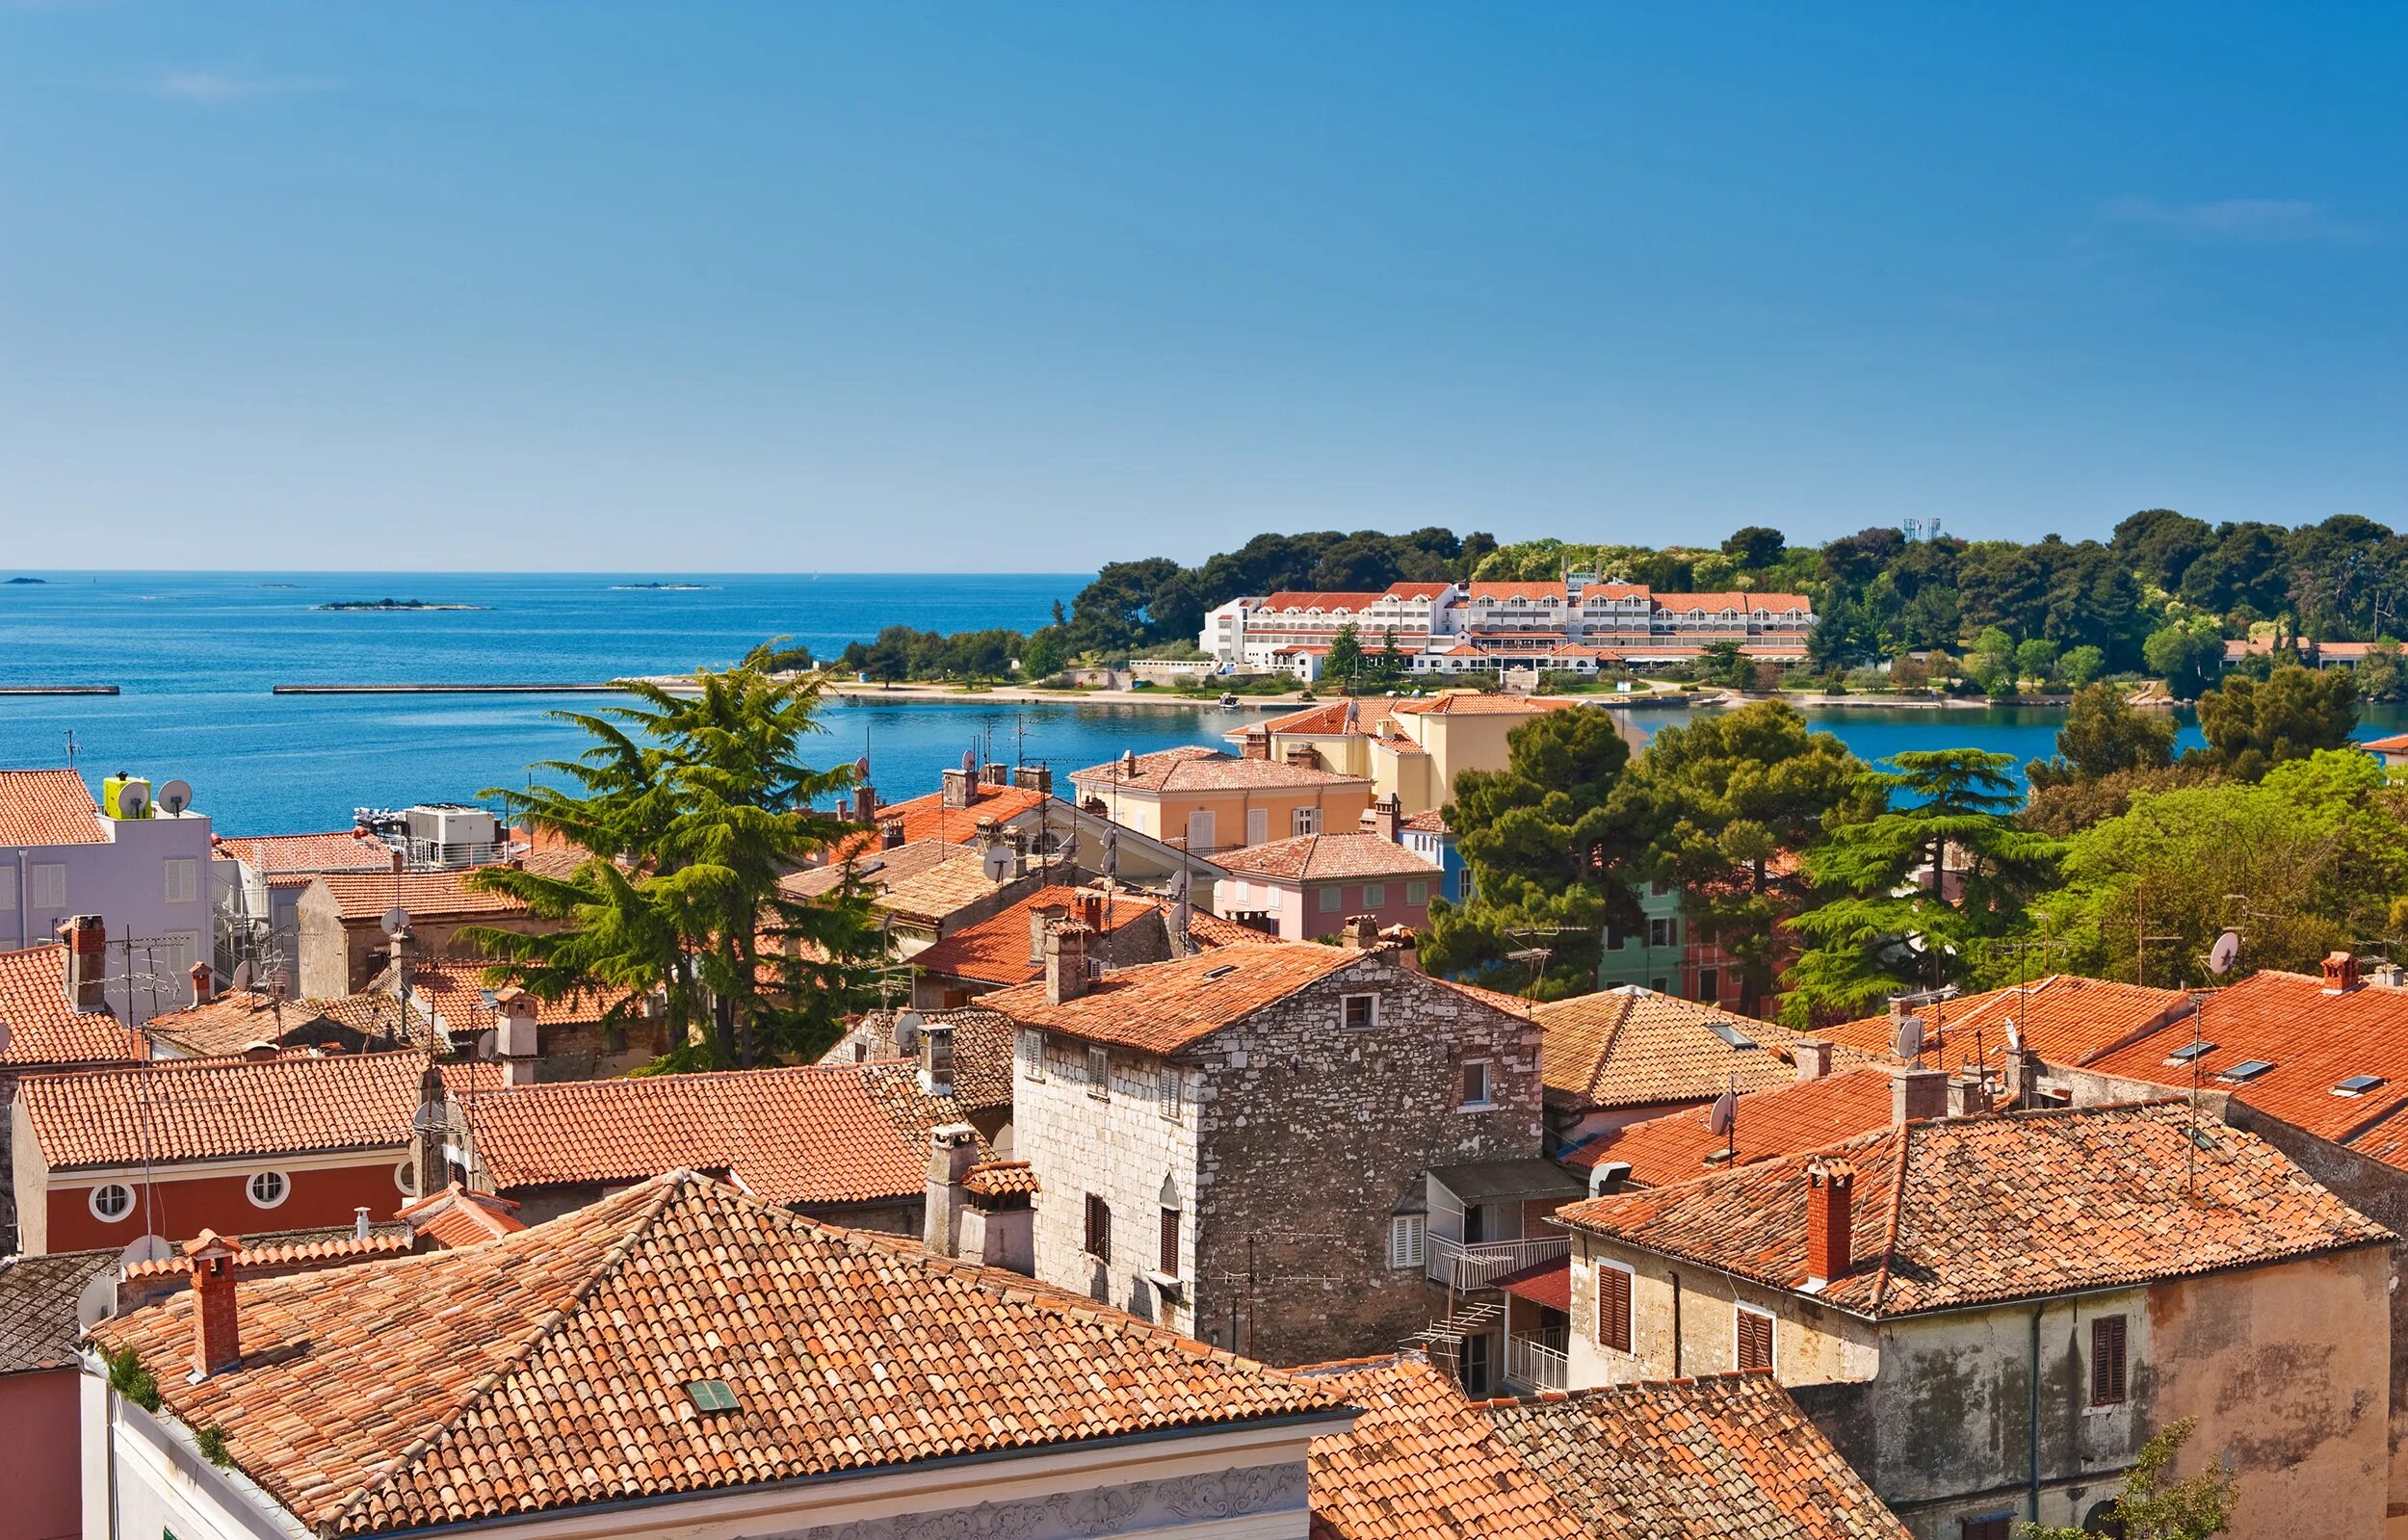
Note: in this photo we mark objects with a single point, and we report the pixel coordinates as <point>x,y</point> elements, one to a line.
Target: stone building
<point>1990,1315</point>
<point>341,920</point>
<point>1246,1144</point>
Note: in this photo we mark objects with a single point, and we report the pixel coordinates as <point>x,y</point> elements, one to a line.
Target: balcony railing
<point>1480,1264</point>
<point>1535,1366</point>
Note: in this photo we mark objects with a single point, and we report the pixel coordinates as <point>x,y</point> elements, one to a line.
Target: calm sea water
<point>194,656</point>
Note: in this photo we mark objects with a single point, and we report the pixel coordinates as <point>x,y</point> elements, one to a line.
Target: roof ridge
<point>606,1267</point>
<point>1613,1039</point>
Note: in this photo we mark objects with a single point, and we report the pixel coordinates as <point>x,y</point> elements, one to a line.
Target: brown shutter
<point>2107,1361</point>
<point>1613,1308</point>
<point>1099,1229</point>
<point>1170,1243</point>
<point>1755,1342</point>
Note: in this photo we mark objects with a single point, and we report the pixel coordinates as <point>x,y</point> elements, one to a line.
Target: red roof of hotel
<point>1517,590</point>
<point>341,851</point>
<point>547,1370</point>
<point>2001,1206</point>
<point>43,1027</point>
<point>2065,1018</point>
<point>816,1133</point>
<point>1349,856</point>
<point>1775,1121</point>
<point>47,807</point>
<point>1196,768</point>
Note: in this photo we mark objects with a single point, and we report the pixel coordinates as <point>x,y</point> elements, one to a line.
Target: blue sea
<point>196,655</point>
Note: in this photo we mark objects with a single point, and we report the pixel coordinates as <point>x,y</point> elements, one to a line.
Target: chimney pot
<point>359,1224</point>
<point>1360,933</point>
<point>953,1149</point>
<point>865,804</point>
<point>1829,1186</point>
<point>203,981</point>
<point>1038,778</point>
<point>890,833</point>
<point>1385,818</point>
<point>959,788</point>
<point>1916,1095</point>
<point>217,1323</point>
<point>86,960</point>
<point>1814,1058</point>
<point>1040,917</point>
<point>1967,1095</point>
<point>2341,973</point>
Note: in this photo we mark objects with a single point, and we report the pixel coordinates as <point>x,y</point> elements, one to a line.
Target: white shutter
<point>1257,826</point>
<point>1200,833</point>
<point>183,879</point>
<point>1405,1240</point>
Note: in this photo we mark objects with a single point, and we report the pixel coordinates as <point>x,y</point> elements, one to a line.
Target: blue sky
<point>1037,286</point>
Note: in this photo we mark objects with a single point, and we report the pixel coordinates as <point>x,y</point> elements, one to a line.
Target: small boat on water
<point>1228,700</point>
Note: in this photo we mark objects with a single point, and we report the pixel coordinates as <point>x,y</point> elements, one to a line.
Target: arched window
<point>111,1201</point>
<point>268,1189</point>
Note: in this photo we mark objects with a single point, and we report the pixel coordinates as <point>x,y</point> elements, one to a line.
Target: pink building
<point>1306,887</point>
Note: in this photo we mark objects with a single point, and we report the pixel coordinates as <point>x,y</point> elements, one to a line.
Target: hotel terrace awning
<point>1509,1181</point>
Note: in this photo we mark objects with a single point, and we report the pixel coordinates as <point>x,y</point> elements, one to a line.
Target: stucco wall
<point>1296,907</point>
<point>323,1194</point>
<point>124,880</point>
<point>1810,1344</point>
<point>38,1462</point>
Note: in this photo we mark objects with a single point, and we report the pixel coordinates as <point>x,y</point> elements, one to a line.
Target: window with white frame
<point>45,885</point>
<point>1359,1011</point>
<point>268,1189</point>
<point>1476,1086</point>
<point>1406,1236</point>
<point>405,1178</point>
<point>1033,1053</point>
<point>183,879</point>
<point>1305,820</point>
<point>1099,1073</point>
<point>1417,893</point>
<point>1170,1092</point>
<point>111,1201</point>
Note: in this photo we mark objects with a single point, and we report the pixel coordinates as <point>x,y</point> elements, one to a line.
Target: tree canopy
<point>2104,732</point>
<point>2252,725</point>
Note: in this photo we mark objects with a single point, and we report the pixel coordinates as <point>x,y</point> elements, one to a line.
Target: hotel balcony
<point>1470,1266</point>
<point>1533,1366</point>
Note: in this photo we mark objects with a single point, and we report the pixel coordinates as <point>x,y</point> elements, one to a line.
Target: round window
<point>406,1177</point>
<point>268,1189</point>
<point>111,1201</point>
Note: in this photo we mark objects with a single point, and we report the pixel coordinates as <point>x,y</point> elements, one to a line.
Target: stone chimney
<point>1042,918</point>
<point>517,1039</point>
<point>1829,1186</point>
<point>999,1227</point>
<point>204,980</point>
<point>864,803</point>
<point>1385,818</point>
<point>953,1150</point>
<point>1967,1095</point>
<point>2341,973</point>
<point>1256,745</point>
<point>2022,1076</point>
<point>1814,1058</point>
<point>434,1168</point>
<point>1065,962</point>
<point>1360,933</point>
<point>217,1324</point>
<point>85,978</point>
<point>936,1057</point>
<point>1917,1094</point>
<point>1038,778</point>
<point>401,964</point>
<point>995,773</point>
<point>890,833</point>
<point>959,786</point>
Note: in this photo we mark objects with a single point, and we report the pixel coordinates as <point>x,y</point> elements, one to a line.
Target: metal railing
<point>1480,1264</point>
<point>1535,1366</point>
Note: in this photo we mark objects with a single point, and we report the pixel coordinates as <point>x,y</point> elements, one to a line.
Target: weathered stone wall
<point>1809,1342</point>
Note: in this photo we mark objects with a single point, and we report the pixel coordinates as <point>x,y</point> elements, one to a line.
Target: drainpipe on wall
<point>1676,1325</point>
<point>2032,1436</point>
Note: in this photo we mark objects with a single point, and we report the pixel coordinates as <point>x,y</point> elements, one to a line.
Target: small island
<point>15,580</point>
<point>664,587</point>
<point>395,603</point>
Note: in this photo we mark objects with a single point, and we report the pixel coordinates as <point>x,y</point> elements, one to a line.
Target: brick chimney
<point>1814,1058</point>
<point>517,1036</point>
<point>1917,1094</point>
<point>890,833</point>
<point>1360,933</point>
<point>1385,818</point>
<point>216,1325</point>
<point>204,980</point>
<point>953,1150</point>
<point>1065,962</point>
<point>959,786</point>
<point>2341,973</point>
<point>1256,745</point>
<point>1829,1186</point>
<point>86,979</point>
<point>999,1227</point>
<point>1041,916</point>
<point>864,803</point>
<point>1092,911</point>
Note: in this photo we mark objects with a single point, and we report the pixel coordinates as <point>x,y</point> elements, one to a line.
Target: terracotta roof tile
<point>877,870</point>
<point>1163,1006</point>
<point>1516,591</point>
<point>292,1251</point>
<point>1478,703</point>
<point>546,1371</point>
<point>996,1179</point>
<point>38,1296</point>
<point>1431,820</point>
<point>1422,1464</point>
<point>234,1021</point>
<point>457,1217</point>
<point>208,1109</point>
<point>996,950</point>
<point>2063,1017</point>
<point>2001,1206</point>
<point>818,1134</point>
<point>1212,931</point>
<point>455,990</point>
<point>1776,1120</point>
<point>341,851</point>
<point>426,895</point>
<point>1195,769</point>
<point>1720,1457</point>
<point>1322,599</point>
<point>1327,859</point>
<point>927,818</point>
<point>1633,1047</point>
<point>43,1027</point>
<point>47,807</point>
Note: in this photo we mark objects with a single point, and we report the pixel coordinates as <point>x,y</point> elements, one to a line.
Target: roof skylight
<point>2189,1051</point>
<point>2248,1069</point>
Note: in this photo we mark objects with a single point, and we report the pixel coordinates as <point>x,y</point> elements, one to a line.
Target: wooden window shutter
<point>1754,1340</point>
<point>2107,1361</point>
<point>1099,1228</point>
<point>1170,1243</point>
<point>1613,1308</point>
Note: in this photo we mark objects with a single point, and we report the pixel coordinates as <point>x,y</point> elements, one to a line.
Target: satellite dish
<point>97,1302</point>
<point>1726,1109</point>
<point>176,797</point>
<point>996,862</point>
<point>908,1031</point>
<point>861,768</point>
<point>2225,953</point>
<point>242,978</point>
<point>131,799</point>
<point>145,1248</point>
<point>2014,1037</point>
<point>1909,1042</point>
<point>968,760</point>
<point>396,921</point>
<point>485,1043</point>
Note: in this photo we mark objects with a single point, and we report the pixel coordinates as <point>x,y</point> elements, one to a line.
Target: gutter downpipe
<point>2032,1439</point>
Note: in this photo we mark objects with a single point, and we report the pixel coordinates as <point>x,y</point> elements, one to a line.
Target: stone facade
<point>1287,1144</point>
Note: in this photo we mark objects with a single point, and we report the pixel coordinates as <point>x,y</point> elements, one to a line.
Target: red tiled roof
<point>1632,1047</point>
<point>2395,744</point>
<point>2001,1206</point>
<point>1478,703</point>
<point>1329,716</point>
<point>316,1248</point>
<point>927,818</point>
<point>1212,931</point>
<point>1422,1464</point>
<point>455,990</point>
<point>1517,590</point>
<point>2064,1018</point>
<point>1311,599</point>
<point>995,1178</point>
<point>457,1217</point>
<point>43,1027</point>
<point>211,1108</point>
<point>424,895</point>
<point>341,851</point>
<point>1773,1121</point>
<point>817,1134</point>
<point>1719,1458</point>
<point>1431,820</point>
<point>47,807</point>
<point>546,1371</point>
<point>1546,1283</point>
<point>1163,1006</point>
<point>996,950</point>
<point>1195,769</point>
<point>1327,859</point>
